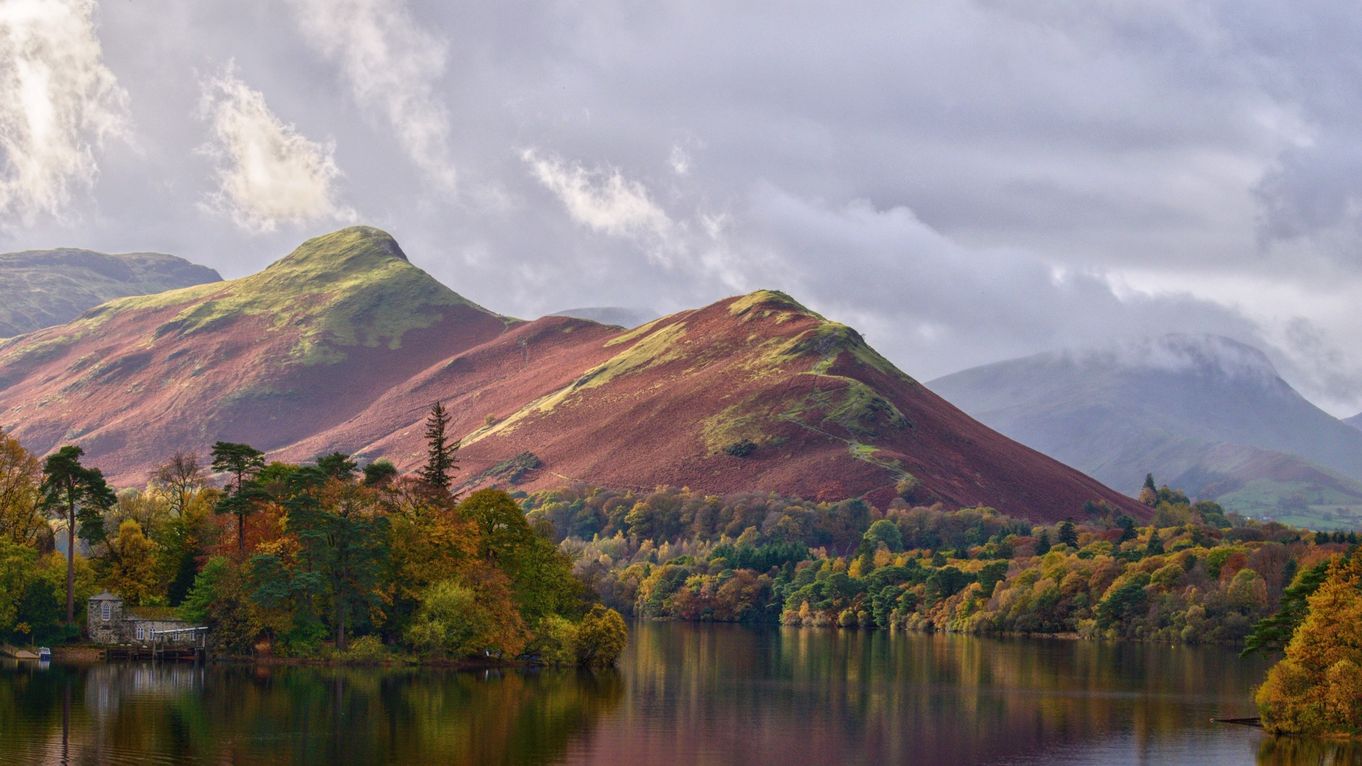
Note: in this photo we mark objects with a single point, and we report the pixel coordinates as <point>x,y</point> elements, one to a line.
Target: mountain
<point>1203,413</point>
<point>41,288</point>
<point>343,345</point>
<point>617,316</point>
<point>1355,421</point>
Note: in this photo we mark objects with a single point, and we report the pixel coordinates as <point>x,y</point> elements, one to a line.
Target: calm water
<point>683,694</point>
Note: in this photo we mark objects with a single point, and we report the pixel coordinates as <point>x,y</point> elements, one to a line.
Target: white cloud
<point>267,172</point>
<point>605,201</point>
<point>392,64</point>
<point>679,160</point>
<point>59,103</point>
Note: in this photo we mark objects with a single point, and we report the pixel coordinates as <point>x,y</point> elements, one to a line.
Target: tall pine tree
<point>441,453</point>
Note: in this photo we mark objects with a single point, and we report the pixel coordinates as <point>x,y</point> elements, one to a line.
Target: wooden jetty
<point>1255,721</point>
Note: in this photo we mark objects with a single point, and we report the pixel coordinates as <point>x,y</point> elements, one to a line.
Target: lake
<point>682,694</point>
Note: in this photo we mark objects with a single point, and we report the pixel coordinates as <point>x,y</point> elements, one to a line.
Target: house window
<point>105,611</point>
<point>141,632</point>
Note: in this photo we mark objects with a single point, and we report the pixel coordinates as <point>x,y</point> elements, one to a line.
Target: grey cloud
<point>964,180</point>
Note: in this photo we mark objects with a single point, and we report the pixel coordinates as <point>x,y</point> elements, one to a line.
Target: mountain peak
<point>354,248</point>
<point>767,301</point>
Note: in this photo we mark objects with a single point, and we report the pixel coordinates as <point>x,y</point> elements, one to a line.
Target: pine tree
<point>441,454</point>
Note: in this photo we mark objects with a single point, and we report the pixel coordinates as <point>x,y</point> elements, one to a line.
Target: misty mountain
<point>1355,421</point>
<point>1203,413</point>
<point>41,288</point>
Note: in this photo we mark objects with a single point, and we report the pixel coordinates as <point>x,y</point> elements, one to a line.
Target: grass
<point>1297,503</point>
<point>353,287</point>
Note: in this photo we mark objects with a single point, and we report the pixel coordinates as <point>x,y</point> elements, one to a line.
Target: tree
<point>343,537</point>
<point>1317,687</point>
<point>1043,543</point>
<point>133,571</point>
<point>78,494</point>
<point>1155,545</point>
<point>441,453</point>
<point>243,462</point>
<point>884,531</point>
<point>1068,534</point>
<point>380,473</point>
<point>601,637</point>
<point>1149,493</point>
<point>1273,633</point>
<point>1127,526</point>
<point>180,478</point>
<point>337,465</point>
<point>20,493</point>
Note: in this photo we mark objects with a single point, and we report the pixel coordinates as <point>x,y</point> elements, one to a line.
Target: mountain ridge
<point>1195,410</point>
<point>343,344</point>
<point>42,288</point>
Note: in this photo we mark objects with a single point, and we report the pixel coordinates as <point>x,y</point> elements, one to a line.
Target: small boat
<point>44,654</point>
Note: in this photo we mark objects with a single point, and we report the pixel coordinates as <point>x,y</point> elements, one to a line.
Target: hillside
<point>41,288</point>
<point>1202,413</point>
<point>1355,421</point>
<point>267,359</point>
<point>343,344</point>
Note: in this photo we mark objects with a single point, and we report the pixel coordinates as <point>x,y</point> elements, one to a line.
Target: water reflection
<point>683,694</point>
<point>139,713</point>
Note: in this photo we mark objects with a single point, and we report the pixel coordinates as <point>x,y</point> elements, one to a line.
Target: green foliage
<point>601,637</point>
<point>81,496</point>
<point>441,451</point>
<point>1273,633</point>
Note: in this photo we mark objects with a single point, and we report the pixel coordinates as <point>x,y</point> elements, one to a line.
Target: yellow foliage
<point>1317,687</point>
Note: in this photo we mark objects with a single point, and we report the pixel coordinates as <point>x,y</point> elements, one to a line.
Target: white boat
<point>44,654</point>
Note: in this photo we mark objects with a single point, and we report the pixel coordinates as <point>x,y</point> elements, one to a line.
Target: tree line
<point>1191,574</point>
<point>323,559</point>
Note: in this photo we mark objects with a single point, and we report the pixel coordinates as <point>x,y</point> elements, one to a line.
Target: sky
<point>963,181</point>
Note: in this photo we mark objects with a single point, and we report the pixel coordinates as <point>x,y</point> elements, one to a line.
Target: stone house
<point>110,622</point>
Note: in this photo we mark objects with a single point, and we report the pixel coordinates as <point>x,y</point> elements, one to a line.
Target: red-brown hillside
<point>343,345</point>
<point>269,359</point>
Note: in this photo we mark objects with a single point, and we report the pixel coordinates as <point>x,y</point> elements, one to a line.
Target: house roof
<point>157,613</point>
<point>105,596</point>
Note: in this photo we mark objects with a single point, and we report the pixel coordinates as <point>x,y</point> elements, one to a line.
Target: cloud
<point>605,201</point>
<point>267,173</point>
<point>936,305</point>
<point>391,64</point>
<point>59,104</point>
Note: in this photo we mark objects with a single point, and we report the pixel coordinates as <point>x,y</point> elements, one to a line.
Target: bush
<point>450,621</point>
<point>601,637</point>
<point>742,448</point>
<point>554,643</point>
<point>366,649</point>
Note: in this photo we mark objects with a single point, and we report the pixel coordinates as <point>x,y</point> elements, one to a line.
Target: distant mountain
<point>1355,421</point>
<point>617,316</point>
<point>41,288</point>
<point>343,345</point>
<point>1204,413</point>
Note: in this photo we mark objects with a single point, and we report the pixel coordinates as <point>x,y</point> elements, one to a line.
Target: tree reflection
<point>298,715</point>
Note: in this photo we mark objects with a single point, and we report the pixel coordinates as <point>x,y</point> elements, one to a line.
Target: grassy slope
<point>48,287</point>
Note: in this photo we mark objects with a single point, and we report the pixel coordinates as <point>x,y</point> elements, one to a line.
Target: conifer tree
<point>441,453</point>
<point>78,494</point>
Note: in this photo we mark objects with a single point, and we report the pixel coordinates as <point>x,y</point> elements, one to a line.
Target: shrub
<point>741,448</point>
<point>554,643</point>
<point>601,637</point>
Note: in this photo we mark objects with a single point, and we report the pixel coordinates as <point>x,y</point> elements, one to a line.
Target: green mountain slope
<point>42,288</point>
